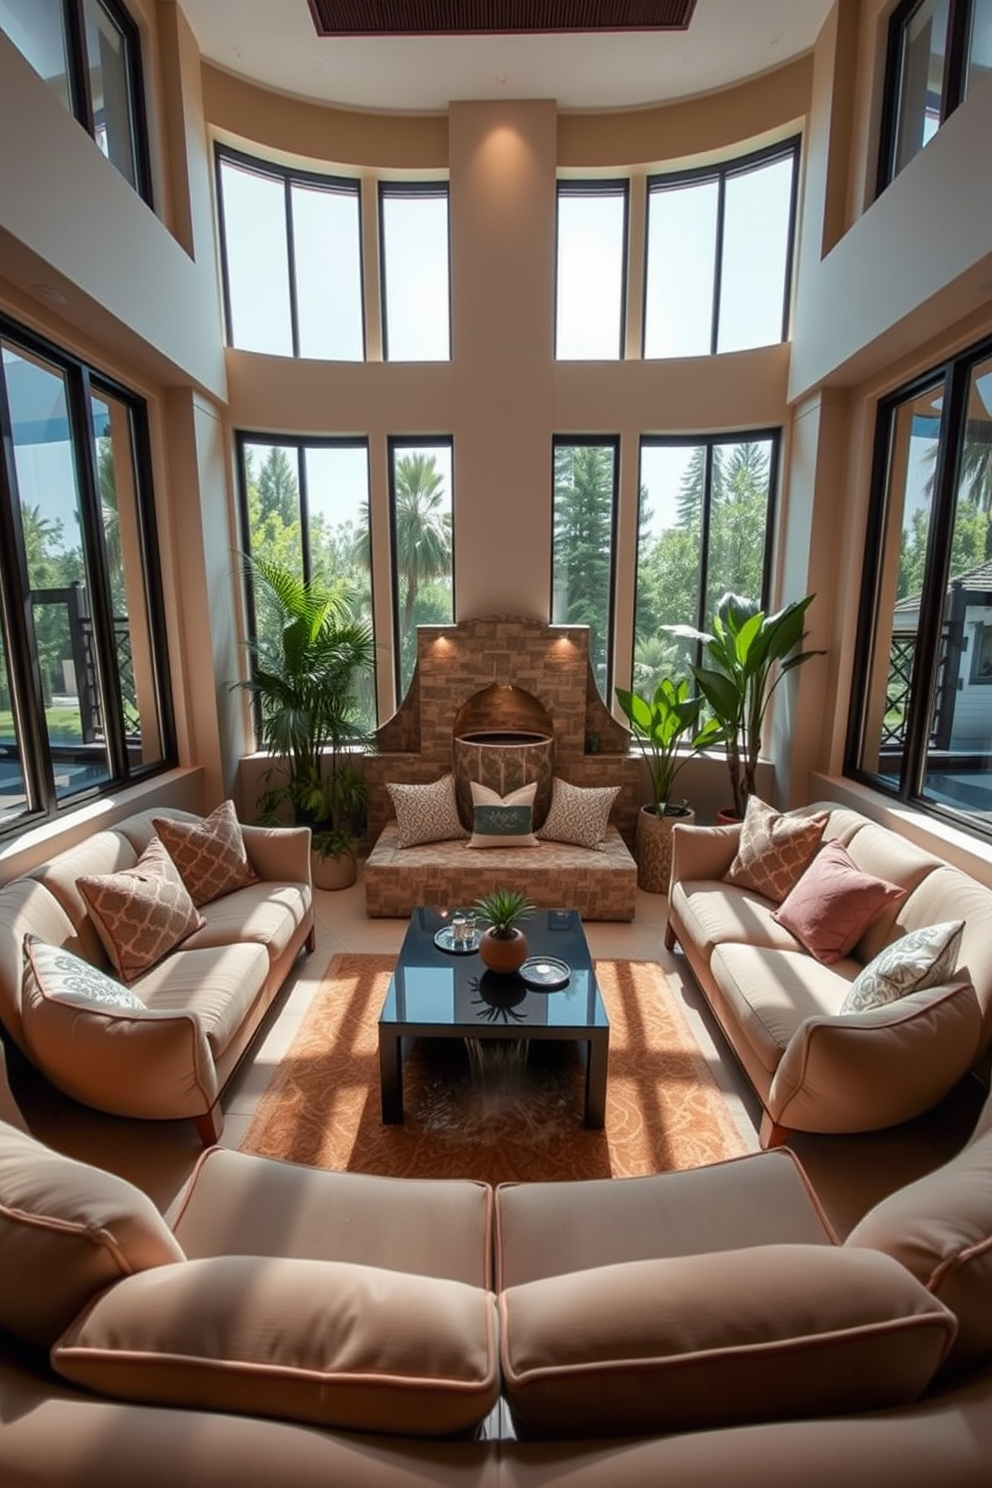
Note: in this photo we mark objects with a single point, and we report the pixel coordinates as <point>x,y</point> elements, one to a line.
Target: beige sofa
<point>201,1004</point>
<point>814,1068</point>
<point>308,1328</point>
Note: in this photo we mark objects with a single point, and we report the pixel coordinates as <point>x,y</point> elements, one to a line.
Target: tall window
<point>305,508</point>
<point>592,247</point>
<point>413,236</point>
<point>89,54</point>
<point>719,255</point>
<point>922,716</point>
<point>585,499</point>
<point>83,701</point>
<point>291,247</point>
<point>421,506</point>
<point>704,527</point>
<point>937,51</point>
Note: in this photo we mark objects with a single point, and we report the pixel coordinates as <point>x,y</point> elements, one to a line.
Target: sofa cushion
<point>426,813</point>
<point>695,1342</point>
<point>217,986</point>
<point>578,814</point>
<point>940,1229</point>
<point>771,993</point>
<point>773,850</point>
<point>922,958</point>
<point>67,1231</point>
<point>326,1342</point>
<point>210,855</point>
<point>502,821</point>
<point>833,904</point>
<point>141,913</point>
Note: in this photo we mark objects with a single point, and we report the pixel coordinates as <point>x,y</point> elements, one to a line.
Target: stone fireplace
<point>505,700</point>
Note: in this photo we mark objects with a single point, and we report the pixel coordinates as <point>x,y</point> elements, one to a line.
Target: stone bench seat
<point>600,884</point>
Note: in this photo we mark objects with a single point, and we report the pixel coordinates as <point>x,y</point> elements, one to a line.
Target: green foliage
<point>664,724</point>
<point>503,909</point>
<point>750,652</point>
<point>583,544</point>
<point>303,682</point>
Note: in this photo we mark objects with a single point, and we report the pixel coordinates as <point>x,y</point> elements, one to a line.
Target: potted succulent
<point>305,667</point>
<point>747,655</point>
<point>669,732</point>
<point>503,946</point>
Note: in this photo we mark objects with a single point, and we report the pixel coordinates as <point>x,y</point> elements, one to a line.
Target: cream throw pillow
<point>210,855</point>
<point>503,821</point>
<point>141,913</point>
<point>426,813</point>
<point>774,850</point>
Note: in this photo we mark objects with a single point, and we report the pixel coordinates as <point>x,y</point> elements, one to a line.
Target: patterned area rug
<point>496,1111</point>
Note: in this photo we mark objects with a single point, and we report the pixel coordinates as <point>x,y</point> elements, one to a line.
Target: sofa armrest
<point>864,1071</point>
<point>701,853</point>
<point>279,854</point>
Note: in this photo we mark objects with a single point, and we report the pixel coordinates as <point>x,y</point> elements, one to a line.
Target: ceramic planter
<point>503,955</point>
<point>654,847</point>
<point>333,873</point>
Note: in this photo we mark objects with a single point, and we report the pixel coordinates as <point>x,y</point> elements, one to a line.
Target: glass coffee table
<point>437,993</point>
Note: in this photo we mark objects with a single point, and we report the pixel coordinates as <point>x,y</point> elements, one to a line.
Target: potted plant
<point>748,653</point>
<point>305,666</point>
<point>503,947</point>
<point>668,730</point>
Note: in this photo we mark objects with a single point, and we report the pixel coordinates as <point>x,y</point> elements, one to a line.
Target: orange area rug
<point>494,1111</point>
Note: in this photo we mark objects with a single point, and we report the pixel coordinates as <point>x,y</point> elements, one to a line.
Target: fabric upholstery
<point>919,959</point>
<point>503,821</point>
<point>773,850</point>
<point>319,1341</point>
<point>578,814</point>
<point>833,904</point>
<point>210,854</point>
<point>940,1229</point>
<point>426,813</point>
<point>67,1231</point>
<point>690,1343</point>
<point>141,913</point>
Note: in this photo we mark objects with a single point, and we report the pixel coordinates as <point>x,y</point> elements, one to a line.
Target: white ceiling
<point>274,42</point>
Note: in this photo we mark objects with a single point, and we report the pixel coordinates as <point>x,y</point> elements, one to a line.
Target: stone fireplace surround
<point>512,676</point>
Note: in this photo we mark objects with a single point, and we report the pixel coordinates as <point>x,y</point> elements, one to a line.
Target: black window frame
<point>593,441</point>
<point>388,188</point>
<point>721,172</point>
<point>959,29</point>
<point>952,376</point>
<point>43,802</point>
<point>612,186</point>
<point>288,176</point>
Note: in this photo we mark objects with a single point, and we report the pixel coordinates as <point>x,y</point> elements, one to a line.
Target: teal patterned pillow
<point>922,958</point>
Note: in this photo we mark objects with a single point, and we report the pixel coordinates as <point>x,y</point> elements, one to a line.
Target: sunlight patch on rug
<point>498,1110</point>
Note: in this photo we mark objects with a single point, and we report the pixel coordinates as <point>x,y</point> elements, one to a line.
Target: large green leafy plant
<point>746,656</point>
<point>669,732</point>
<point>306,665</point>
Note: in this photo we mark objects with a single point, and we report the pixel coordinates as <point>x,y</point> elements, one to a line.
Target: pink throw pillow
<point>833,904</point>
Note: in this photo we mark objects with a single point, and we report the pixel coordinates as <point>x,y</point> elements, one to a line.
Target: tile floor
<point>849,1173</point>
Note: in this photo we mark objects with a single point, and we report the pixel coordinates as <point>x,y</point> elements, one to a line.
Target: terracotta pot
<point>727,817</point>
<point>333,873</point>
<point>654,847</point>
<point>503,955</point>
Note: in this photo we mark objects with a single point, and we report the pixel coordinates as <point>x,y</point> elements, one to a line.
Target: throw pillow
<point>503,821</point>
<point>210,854</point>
<point>426,813</point>
<point>141,913</point>
<point>57,973</point>
<point>67,1231</point>
<point>774,850</point>
<point>578,814</point>
<point>923,958</point>
<point>833,904</point>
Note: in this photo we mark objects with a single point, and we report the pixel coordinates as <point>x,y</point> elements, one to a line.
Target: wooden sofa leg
<point>310,944</point>
<point>210,1125</point>
<point>669,936</point>
<point>770,1134</point>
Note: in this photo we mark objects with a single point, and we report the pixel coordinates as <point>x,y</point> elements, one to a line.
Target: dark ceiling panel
<point>495,17</point>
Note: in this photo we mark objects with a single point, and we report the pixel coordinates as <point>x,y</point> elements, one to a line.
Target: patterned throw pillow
<point>503,821</point>
<point>774,850</point>
<point>210,855</point>
<point>833,904</point>
<point>922,958</point>
<point>426,813</point>
<point>141,913</point>
<point>57,973</point>
<point>578,814</point>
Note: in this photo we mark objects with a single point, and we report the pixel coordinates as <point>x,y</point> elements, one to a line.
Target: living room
<point>889,287</point>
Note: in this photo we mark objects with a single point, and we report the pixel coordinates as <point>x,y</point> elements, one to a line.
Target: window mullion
<point>955,65</point>
<point>718,263</point>
<point>75,30</point>
<point>294,314</point>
